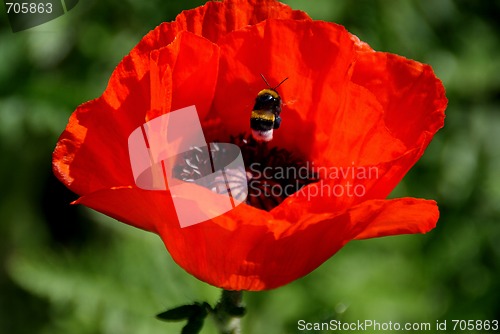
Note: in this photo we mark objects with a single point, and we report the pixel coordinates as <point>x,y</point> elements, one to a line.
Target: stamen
<point>271,174</point>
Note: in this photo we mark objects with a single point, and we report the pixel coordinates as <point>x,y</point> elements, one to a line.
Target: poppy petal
<point>265,252</point>
<point>343,187</point>
<point>399,107</point>
<point>96,138</point>
<point>355,134</point>
<point>412,97</point>
<point>183,74</point>
<point>212,21</point>
<point>346,131</point>
<point>277,259</point>
<point>326,118</point>
<point>346,123</point>
<point>315,56</point>
<point>404,216</point>
<point>305,246</point>
<point>133,206</point>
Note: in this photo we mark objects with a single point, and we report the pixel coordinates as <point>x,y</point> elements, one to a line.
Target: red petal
<point>315,56</point>
<point>215,19</point>
<point>342,188</point>
<point>327,118</point>
<point>247,249</point>
<point>360,45</point>
<point>92,153</point>
<point>331,121</point>
<point>185,74</point>
<point>140,208</point>
<point>355,133</point>
<point>404,216</point>
<point>412,97</point>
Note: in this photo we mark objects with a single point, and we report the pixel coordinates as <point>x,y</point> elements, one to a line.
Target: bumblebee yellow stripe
<point>262,115</point>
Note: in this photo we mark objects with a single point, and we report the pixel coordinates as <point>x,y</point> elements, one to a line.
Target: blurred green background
<point>90,274</point>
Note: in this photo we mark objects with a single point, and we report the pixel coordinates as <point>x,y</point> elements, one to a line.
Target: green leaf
<point>195,313</point>
<point>194,325</point>
<point>180,313</point>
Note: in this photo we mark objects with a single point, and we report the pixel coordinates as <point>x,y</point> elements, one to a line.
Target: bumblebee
<point>266,113</point>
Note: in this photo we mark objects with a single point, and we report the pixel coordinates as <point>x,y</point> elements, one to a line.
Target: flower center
<point>270,174</point>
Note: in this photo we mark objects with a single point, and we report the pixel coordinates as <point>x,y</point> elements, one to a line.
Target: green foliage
<point>195,315</point>
<point>90,274</point>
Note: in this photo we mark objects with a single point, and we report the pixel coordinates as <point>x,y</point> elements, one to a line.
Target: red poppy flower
<point>347,110</point>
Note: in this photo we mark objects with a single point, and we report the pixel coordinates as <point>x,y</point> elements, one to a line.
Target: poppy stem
<point>228,312</point>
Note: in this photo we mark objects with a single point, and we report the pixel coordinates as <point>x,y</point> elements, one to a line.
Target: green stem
<point>228,312</point>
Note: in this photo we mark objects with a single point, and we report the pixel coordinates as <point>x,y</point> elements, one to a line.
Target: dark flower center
<point>270,175</point>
